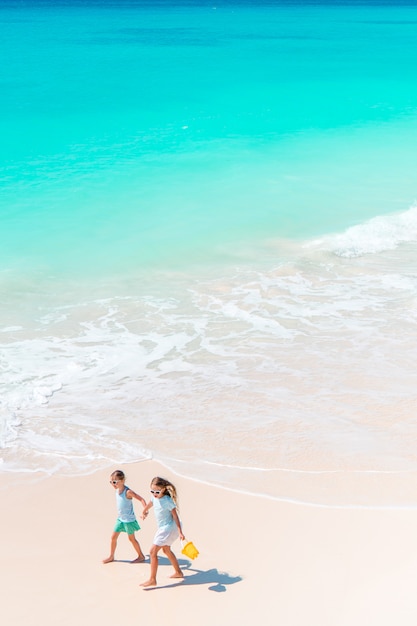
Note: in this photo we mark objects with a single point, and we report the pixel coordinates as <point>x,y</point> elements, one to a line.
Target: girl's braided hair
<point>119,475</point>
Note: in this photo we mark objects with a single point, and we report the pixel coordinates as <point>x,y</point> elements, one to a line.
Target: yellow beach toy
<point>189,549</point>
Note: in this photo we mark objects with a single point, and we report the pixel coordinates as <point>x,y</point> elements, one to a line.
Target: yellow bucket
<point>189,549</point>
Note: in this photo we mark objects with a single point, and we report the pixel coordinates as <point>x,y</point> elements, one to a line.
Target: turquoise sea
<point>208,242</point>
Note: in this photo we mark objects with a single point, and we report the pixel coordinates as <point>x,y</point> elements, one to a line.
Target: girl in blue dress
<point>164,502</point>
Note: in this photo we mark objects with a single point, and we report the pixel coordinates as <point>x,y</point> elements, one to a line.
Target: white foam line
<point>300,471</point>
<point>319,505</point>
<point>263,496</point>
<point>88,472</point>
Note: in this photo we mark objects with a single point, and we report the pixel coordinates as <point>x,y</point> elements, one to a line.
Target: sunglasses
<point>156,493</point>
<point>114,482</point>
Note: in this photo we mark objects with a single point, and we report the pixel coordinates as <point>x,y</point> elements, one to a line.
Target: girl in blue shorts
<point>126,519</point>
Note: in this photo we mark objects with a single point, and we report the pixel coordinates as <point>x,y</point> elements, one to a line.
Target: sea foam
<point>376,235</point>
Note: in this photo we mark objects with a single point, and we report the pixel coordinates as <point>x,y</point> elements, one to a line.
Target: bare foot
<point>140,559</point>
<point>149,583</point>
<point>177,575</point>
<point>109,560</point>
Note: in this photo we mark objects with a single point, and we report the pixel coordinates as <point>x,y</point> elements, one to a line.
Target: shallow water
<point>208,244</point>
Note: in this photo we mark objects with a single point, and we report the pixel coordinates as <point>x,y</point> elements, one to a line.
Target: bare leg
<point>135,544</point>
<point>113,544</point>
<point>154,567</point>
<point>173,559</point>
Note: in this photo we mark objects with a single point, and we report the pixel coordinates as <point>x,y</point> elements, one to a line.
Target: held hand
<point>182,536</point>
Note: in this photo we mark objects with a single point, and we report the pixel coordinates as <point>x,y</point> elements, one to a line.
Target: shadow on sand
<point>218,581</point>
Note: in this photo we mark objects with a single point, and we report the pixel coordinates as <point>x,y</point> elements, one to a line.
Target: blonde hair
<point>169,487</point>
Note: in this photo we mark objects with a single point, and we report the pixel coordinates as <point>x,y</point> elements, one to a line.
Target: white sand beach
<point>208,270</point>
<point>261,561</point>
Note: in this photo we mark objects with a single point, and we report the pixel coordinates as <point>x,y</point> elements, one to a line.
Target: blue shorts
<point>126,527</point>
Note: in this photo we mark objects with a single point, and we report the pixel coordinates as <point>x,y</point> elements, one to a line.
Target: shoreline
<point>318,566</point>
<point>337,492</point>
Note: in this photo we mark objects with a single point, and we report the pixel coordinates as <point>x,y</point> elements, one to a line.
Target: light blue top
<point>125,507</point>
<point>163,507</point>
